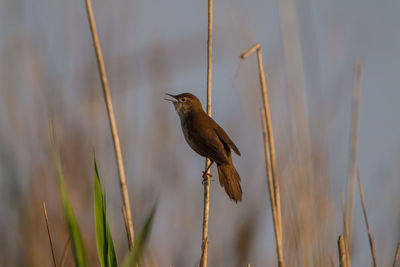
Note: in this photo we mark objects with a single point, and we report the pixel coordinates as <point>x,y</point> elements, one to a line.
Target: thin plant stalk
<point>65,252</point>
<point>53,254</point>
<point>348,260</point>
<point>113,126</point>
<point>269,146</point>
<point>396,255</point>
<point>370,237</point>
<point>271,141</point>
<point>344,211</point>
<point>270,182</point>
<point>206,204</point>
<point>342,252</point>
<point>355,122</point>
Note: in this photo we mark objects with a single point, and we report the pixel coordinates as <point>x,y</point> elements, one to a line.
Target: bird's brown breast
<point>192,136</point>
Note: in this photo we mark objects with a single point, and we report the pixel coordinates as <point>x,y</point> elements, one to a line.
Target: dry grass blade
<point>113,125</point>
<point>269,147</point>
<point>206,204</point>
<point>53,254</point>
<point>351,177</point>
<point>65,252</point>
<point>396,256</point>
<point>371,240</point>
<point>342,252</point>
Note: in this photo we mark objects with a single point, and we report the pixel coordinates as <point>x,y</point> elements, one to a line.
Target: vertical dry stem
<point>110,111</point>
<point>269,146</point>
<point>53,254</point>
<point>271,143</point>
<point>346,249</point>
<point>206,207</point>
<point>371,240</point>
<point>271,188</point>
<point>351,178</point>
<point>396,256</point>
<point>342,252</point>
<point>344,211</point>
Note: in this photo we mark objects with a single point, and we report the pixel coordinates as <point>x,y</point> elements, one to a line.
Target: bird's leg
<point>205,172</point>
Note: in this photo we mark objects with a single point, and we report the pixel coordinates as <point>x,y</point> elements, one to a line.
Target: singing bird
<point>209,140</point>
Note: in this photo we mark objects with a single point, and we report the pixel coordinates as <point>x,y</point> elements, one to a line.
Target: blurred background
<point>48,71</point>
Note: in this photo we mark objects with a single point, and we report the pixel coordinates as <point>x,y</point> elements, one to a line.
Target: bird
<point>209,140</point>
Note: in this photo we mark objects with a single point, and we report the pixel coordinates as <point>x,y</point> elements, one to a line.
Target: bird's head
<point>185,103</point>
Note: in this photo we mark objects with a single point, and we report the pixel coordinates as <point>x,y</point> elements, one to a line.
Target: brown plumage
<point>209,140</point>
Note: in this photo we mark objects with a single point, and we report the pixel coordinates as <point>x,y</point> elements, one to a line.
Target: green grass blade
<point>133,258</point>
<point>77,243</point>
<point>105,245</point>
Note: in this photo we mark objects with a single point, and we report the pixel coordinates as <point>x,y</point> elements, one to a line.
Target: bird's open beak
<point>173,101</point>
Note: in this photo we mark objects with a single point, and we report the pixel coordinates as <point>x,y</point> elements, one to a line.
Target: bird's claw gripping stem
<point>206,174</point>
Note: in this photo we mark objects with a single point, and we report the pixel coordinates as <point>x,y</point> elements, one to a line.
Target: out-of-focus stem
<point>347,251</point>
<point>65,252</point>
<point>342,252</point>
<point>370,237</point>
<point>396,255</point>
<point>53,254</point>
<point>351,177</point>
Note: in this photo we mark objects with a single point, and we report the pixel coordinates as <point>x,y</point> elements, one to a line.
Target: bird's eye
<point>183,99</point>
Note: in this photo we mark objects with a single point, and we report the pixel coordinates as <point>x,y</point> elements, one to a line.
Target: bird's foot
<point>205,176</point>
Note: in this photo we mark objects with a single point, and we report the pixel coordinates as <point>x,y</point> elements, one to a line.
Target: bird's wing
<point>227,142</point>
<point>216,149</point>
<point>201,137</point>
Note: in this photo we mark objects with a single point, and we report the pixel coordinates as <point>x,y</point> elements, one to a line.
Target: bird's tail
<point>230,180</point>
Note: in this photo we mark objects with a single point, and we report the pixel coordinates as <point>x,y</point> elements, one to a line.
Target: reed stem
<point>342,252</point>
<point>113,125</point>
<point>269,148</point>
<point>206,204</point>
<point>370,237</point>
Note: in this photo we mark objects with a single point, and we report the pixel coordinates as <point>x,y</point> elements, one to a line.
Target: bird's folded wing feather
<point>225,138</point>
<point>215,149</point>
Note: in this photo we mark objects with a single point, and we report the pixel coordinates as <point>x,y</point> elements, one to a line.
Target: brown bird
<point>209,140</point>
